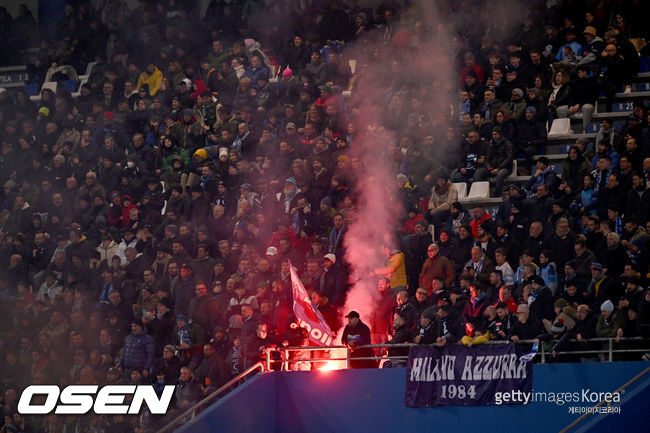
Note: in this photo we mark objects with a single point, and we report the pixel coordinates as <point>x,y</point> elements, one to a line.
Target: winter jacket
<point>500,154</point>
<point>139,351</point>
<point>443,202</point>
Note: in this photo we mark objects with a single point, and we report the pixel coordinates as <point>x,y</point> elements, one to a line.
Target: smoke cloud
<point>406,86</point>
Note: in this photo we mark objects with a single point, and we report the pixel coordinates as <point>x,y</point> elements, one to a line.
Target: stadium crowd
<point>149,221</point>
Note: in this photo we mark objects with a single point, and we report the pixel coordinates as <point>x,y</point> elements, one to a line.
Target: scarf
<point>184,335</point>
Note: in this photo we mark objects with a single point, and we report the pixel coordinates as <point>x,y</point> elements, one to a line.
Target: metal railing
<point>286,360</point>
<point>190,413</point>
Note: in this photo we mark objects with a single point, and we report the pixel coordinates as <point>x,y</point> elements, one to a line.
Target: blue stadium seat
<point>593,128</point>
<point>645,64</point>
<point>618,125</point>
<point>31,89</point>
<point>643,87</point>
<point>69,85</point>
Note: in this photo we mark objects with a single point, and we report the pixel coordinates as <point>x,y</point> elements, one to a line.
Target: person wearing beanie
<point>601,287</point>
<point>139,350</point>
<point>516,104</point>
<point>471,68</point>
<point>614,257</point>
<point>611,321</point>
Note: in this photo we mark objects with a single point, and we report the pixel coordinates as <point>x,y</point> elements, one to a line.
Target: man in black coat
<point>355,334</point>
<point>542,304</point>
<point>415,251</point>
<point>585,330</point>
<point>428,330</point>
<point>450,326</point>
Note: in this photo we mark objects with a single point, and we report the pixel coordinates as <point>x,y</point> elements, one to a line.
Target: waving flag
<point>307,315</point>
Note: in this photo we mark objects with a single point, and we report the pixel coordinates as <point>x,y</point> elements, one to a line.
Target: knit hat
<point>287,73</point>
<point>531,109</point>
<point>560,303</point>
<point>558,327</point>
<point>201,154</point>
<point>638,242</point>
<point>223,151</point>
<point>607,306</point>
<point>401,178</point>
<point>246,186</point>
<point>518,92</point>
<point>597,266</point>
<point>291,180</point>
<point>45,111</point>
<point>172,228</point>
<point>182,318</point>
<point>590,30</point>
<point>59,158</point>
<point>171,348</point>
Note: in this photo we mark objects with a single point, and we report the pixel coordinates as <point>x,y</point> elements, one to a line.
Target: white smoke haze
<point>391,76</point>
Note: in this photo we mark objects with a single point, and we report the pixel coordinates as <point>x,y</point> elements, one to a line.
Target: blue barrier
<point>592,128</point>
<point>358,401</point>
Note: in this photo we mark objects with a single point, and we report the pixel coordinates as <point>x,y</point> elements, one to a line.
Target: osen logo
<point>80,399</point>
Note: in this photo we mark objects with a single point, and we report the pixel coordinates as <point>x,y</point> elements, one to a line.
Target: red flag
<point>307,315</point>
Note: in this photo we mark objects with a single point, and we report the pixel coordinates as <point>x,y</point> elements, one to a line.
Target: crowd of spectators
<point>149,222</point>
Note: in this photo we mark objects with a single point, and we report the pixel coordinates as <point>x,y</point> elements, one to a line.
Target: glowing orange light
<point>329,366</point>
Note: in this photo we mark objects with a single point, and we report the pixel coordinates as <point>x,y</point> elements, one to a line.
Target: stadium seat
<point>52,85</point>
<point>645,64</point>
<point>560,127</point>
<point>461,187</point>
<point>89,70</point>
<point>353,65</point>
<point>643,87</point>
<point>78,92</point>
<point>275,70</point>
<point>479,190</point>
<point>31,89</point>
<point>593,128</point>
<point>69,85</point>
<point>618,125</point>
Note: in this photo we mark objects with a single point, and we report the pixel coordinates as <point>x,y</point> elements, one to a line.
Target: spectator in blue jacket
<point>139,350</point>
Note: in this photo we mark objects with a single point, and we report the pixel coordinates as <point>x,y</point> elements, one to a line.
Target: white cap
<point>331,257</point>
<point>271,251</point>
